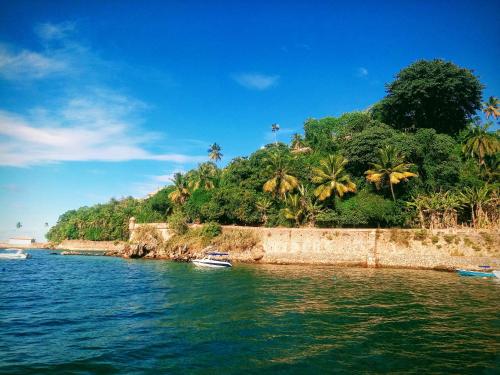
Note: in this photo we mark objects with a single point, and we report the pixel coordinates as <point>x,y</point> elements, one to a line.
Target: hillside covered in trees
<point>424,156</point>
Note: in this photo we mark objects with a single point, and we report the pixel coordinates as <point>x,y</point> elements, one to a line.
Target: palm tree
<point>263,205</point>
<point>275,128</point>
<point>332,178</point>
<point>297,142</point>
<point>294,209</point>
<point>280,182</point>
<point>19,225</point>
<point>214,152</point>
<point>181,192</point>
<point>390,168</point>
<point>481,143</point>
<point>298,145</point>
<point>490,108</point>
<point>204,177</point>
<point>476,198</point>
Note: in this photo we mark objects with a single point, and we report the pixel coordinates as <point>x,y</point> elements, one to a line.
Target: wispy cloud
<point>102,126</point>
<point>50,31</point>
<point>256,81</point>
<point>27,64</point>
<point>361,72</point>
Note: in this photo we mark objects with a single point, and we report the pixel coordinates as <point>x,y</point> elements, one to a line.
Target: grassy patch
<point>400,237</point>
<point>235,240</point>
<point>435,239</point>
<point>487,238</point>
<point>420,235</point>
<point>449,238</point>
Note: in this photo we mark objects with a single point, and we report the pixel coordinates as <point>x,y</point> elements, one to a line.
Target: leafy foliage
<point>435,93</point>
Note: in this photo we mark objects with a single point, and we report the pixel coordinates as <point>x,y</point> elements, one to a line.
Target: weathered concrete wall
<point>408,248</point>
<point>91,245</point>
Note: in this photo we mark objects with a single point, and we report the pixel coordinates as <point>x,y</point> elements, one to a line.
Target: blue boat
<point>475,273</point>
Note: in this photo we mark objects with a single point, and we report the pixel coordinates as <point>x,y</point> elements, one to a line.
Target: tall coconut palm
<point>275,129</point>
<point>181,192</point>
<point>481,143</point>
<point>214,152</point>
<point>390,168</point>
<point>281,182</point>
<point>332,178</point>
<point>491,107</point>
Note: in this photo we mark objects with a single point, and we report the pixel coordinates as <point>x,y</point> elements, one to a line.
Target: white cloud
<point>50,31</point>
<point>256,81</point>
<point>28,64</point>
<point>361,72</point>
<point>98,127</point>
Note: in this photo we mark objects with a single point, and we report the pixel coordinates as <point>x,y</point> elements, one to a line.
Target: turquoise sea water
<point>75,314</point>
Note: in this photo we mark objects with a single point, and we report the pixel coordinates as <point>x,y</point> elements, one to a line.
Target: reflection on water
<point>85,314</point>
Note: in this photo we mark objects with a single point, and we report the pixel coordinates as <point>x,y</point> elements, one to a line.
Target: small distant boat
<point>496,273</point>
<point>208,260</point>
<point>476,273</point>
<point>17,255</point>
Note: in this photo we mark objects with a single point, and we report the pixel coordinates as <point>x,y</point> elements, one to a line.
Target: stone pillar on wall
<point>131,227</point>
<point>371,256</point>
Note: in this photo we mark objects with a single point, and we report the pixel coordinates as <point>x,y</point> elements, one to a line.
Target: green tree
<point>181,189</point>
<point>480,143</point>
<point>205,176</point>
<point>280,181</point>
<point>19,225</point>
<point>390,168</point>
<point>214,152</point>
<point>431,94</point>
<point>332,178</point>
<point>263,204</point>
<point>294,209</point>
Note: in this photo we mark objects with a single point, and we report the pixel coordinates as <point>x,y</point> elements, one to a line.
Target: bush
<point>211,230</point>
<point>177,222</point>
<point>364,209</point>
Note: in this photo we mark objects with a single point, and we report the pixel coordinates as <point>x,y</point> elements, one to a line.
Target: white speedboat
<point>10,254</point>
<point>209,261</point>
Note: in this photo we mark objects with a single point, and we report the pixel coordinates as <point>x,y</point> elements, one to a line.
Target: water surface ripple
<point>86,315</point>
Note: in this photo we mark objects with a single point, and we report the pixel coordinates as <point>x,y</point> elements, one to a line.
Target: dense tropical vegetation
<point>421,157</point>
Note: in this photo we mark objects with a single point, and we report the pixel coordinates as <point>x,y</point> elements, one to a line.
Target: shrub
<point>211,230</point>
<point>400,237</point>
<point>235,240</point>
<point>420,235</point>
<point>177,222</point>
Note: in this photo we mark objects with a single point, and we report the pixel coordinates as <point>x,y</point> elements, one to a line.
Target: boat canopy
<point>216,253</point>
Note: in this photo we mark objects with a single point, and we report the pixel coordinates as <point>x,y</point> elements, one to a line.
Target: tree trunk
<point>392,191</point>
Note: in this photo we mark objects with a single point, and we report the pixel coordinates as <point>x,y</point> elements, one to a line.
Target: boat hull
<point>211,263</point>
<point>14,256</point>
<point>475,273</point>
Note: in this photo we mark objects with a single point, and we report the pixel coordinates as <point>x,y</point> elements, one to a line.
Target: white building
<point>26,241</point>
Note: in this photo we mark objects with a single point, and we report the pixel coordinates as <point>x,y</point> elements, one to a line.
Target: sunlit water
<point>75,314</point>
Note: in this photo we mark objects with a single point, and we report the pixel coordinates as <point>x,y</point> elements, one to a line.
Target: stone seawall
<point>91,245</point>
<point>398,248</point>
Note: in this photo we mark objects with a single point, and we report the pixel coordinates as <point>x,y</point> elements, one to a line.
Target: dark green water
<point>61,314</point>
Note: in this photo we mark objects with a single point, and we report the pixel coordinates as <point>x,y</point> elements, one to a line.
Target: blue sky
<point>107,99</point>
